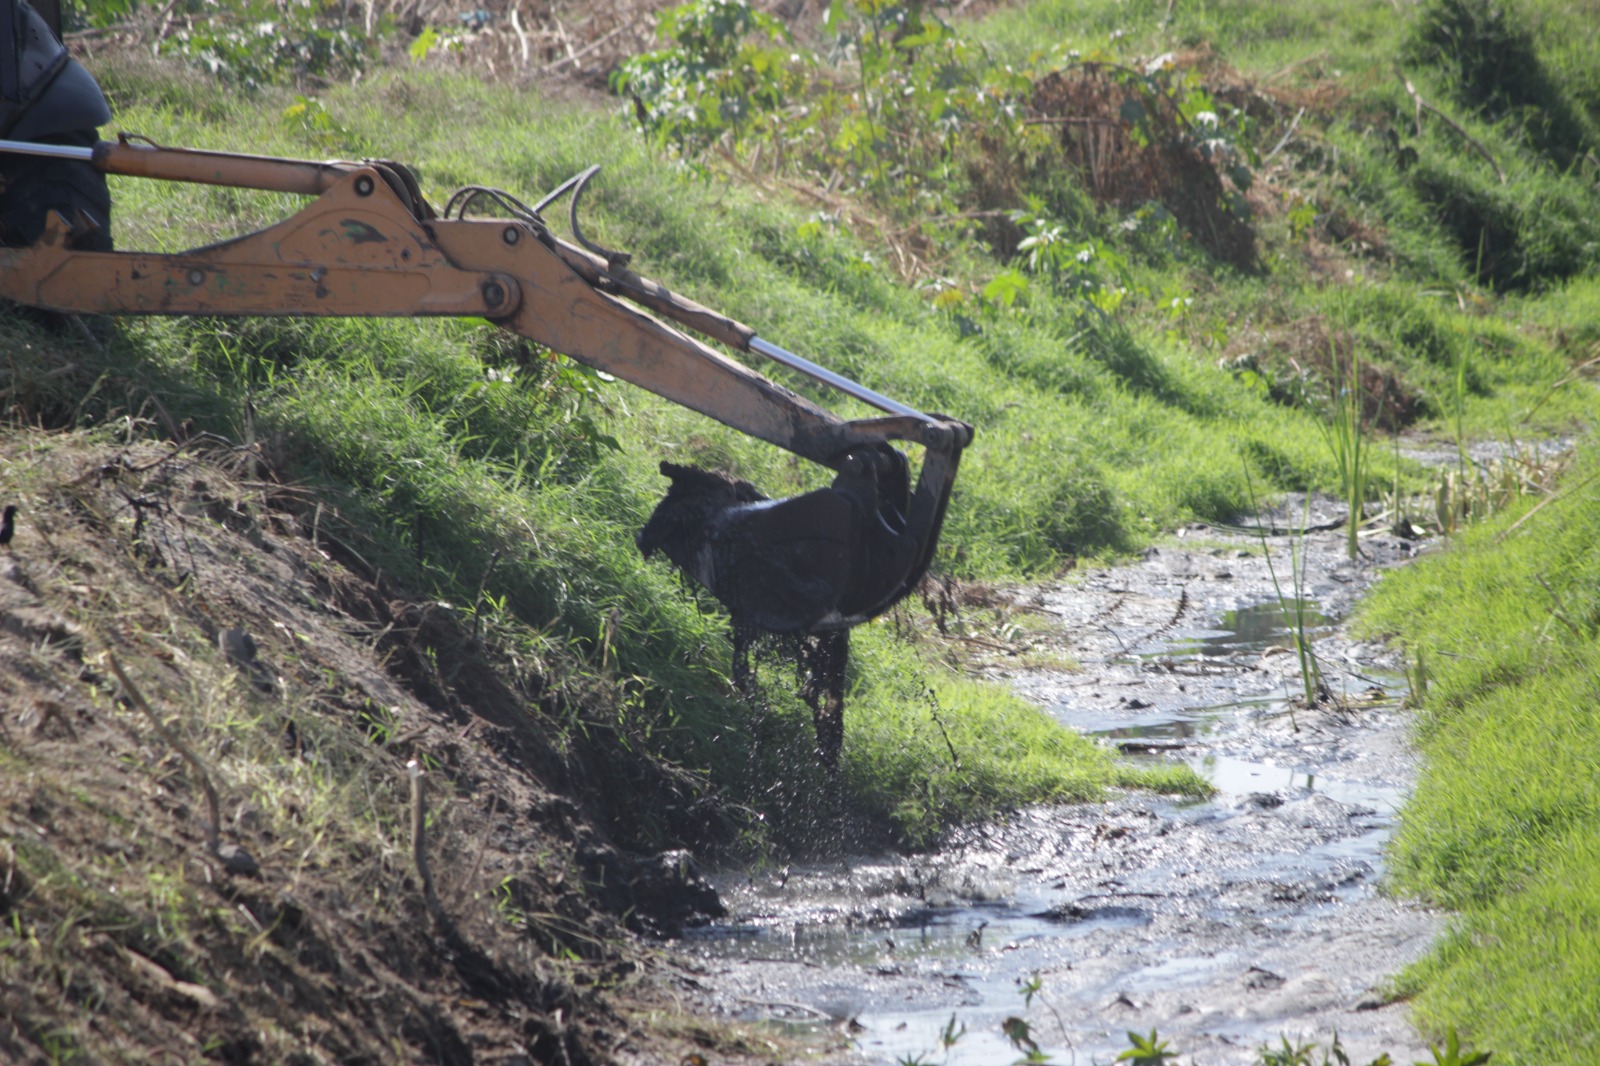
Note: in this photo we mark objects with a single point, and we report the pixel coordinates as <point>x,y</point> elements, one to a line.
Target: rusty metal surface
<point>356,250</point>
<point>142,159</point>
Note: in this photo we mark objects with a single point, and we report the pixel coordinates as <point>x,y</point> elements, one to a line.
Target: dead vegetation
<point>1297,360</point>
<point>513,39</point>
<point>1094,111</point>
<point>300,692</point>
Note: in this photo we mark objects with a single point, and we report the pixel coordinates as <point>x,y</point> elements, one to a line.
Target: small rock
<point>1371,1000</point>
<point>236,860</point>
<point>1259,980</point>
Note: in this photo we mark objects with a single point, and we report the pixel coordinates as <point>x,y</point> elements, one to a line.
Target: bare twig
<point>1576,373</point>
<point>213,808</point>
<point>933,712</point>
<point>1071,120</point>
<point>980,642</point>
<point>477,602</point>
<point>785,1005</point>
<point>1285,138</point>
<point>574,56</point>
<point>419,844</point>
<point>522,35</point>
<point>1423,105</point>
<point>1281,71</point>
<point>1558,610</point>
<point>1536,508</point>
<point>483,845</point>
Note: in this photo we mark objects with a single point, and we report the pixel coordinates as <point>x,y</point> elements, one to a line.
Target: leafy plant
<point>1291,1054</point>
<point>731,75</point>
<point>1295,608</point>
<point>1088,269</point>
<point>261,42</point>
<point>1020,1034</point>
<point>308,114</point>
<point>719,74</point>
<point>1452,1055</point>
<point>951,1034</point>
<point>1146,1051</point>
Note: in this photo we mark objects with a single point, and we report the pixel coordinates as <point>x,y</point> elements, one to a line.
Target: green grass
<point>1506,814</point>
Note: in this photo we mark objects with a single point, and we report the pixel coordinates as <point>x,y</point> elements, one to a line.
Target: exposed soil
<point>301,929</point>
<point>1222,923</point>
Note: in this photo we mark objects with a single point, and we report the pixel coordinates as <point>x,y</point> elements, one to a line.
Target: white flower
<point>1207,118</point>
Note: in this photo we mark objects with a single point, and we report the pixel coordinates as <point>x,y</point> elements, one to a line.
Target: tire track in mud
<point>1221,923</point>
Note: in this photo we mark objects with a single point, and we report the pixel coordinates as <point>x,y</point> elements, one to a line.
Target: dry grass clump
<point>1091,108</point>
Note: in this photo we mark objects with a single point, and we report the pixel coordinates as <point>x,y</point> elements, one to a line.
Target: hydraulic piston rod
<point>49,151</point>
<point>838,381</point>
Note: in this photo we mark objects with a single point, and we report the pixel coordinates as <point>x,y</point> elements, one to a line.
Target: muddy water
<point>1222,923</point>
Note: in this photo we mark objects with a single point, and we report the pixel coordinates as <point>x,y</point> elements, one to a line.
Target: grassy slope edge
<point>1504,823</point>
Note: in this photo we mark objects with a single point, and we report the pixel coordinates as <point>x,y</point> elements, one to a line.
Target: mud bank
<point>1221,923</point>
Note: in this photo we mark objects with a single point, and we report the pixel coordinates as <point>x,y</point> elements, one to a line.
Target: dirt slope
<point>304,688</point>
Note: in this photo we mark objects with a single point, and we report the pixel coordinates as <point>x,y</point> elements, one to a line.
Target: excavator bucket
<point>826,560</point>
<point>811,566</point>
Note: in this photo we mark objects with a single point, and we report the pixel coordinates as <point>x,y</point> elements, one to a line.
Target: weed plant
<point>1346,439</point>
<point>1149,1049</point>
<point>1295,606</point>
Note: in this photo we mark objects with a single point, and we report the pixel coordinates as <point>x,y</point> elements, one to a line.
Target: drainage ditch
<point>1223,924</point>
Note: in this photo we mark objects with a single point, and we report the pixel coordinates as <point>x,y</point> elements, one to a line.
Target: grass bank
<point>1503,827</point>
<point>474,469</point>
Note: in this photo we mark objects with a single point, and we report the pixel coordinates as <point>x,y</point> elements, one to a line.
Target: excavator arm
<point>369,244</point>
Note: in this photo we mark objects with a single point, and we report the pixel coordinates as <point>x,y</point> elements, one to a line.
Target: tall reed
<point>1346,440</point>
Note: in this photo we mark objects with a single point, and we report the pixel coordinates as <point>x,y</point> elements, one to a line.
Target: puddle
<point>1255,629</point>
<point>1222,923</point>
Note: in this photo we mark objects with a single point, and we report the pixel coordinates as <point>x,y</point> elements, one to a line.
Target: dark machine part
<point>807,564</point>
<point>46,97</point>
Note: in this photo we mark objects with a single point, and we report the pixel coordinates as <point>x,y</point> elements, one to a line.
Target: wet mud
<point>1223,923</point>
